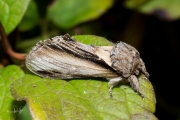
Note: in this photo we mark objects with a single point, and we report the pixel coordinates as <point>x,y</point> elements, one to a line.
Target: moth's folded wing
<point>61,62</point>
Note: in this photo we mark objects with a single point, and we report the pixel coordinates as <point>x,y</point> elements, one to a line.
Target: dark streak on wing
<point>44,72</point>
<point>49,74</point>
<point>77,50</point>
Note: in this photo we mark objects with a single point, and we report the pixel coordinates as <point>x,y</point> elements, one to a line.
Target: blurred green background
<point>151,26</point>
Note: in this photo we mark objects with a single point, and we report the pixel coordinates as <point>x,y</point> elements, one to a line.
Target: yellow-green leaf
<point>9,107</point>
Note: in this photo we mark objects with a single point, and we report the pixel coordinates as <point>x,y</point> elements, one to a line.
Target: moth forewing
<point>62,60</point>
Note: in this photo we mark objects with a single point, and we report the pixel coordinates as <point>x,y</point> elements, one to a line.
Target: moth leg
<point>135,84</point>
<point>143,69</point>
<point>112,82</point>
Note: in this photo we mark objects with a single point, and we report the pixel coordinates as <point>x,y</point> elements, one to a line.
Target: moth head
<point>126,60</point>
<point>130,50</point>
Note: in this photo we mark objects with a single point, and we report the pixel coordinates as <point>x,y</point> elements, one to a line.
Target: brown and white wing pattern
<point>63,57</point>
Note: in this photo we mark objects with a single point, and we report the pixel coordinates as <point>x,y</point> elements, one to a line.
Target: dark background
<point>160,49</point>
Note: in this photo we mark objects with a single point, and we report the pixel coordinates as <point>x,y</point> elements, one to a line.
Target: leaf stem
<point>7,46</point>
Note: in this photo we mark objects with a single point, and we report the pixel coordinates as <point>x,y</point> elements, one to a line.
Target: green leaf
<point>92,40</point>
<point>11,13</point>
<point>164,9</point>
<point>69,13</point>
<point>30,18</point>
<point>84,99</point>
<point>8,105</point>
<point>24,115</point>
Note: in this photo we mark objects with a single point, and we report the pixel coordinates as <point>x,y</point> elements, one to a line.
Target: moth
<point>63,57</point>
